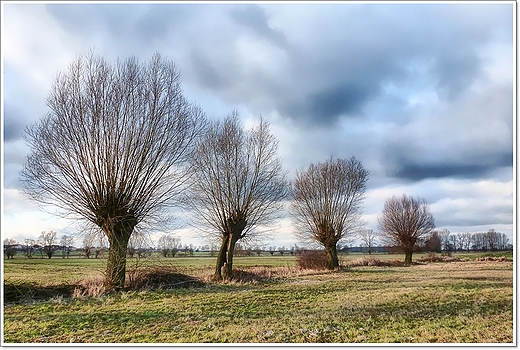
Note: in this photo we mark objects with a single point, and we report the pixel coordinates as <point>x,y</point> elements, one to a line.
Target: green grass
<point>458,302</point>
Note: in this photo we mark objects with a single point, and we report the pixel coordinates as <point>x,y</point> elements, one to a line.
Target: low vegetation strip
<point>445,302</point>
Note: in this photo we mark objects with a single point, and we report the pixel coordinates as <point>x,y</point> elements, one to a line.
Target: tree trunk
<point>229,258</point>
<point>332,256</point>
<point>118,238</point>
<point>221,258</point>
<point>408,257</point>
<point>224,268</point>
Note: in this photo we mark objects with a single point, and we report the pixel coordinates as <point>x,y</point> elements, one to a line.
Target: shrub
<point>90,287</point>
<point>313,260</point>
<point>159,277</point>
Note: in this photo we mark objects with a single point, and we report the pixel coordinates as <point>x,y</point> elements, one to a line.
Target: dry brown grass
<point>313,260</point>
<point>432,257</point>
<point>371,261</point>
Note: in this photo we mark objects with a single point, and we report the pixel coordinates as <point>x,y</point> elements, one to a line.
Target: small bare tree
<point>28,246</point>
<point>404,221</point>
<point>369,238</point>
<point>327,200</point>
<point>66,243</point>
<point>169,244</point>
<point>113,147</point>
<point>465,239</point>
<point>10,248</point>
<point>237,185</point>
<point>48,243</point>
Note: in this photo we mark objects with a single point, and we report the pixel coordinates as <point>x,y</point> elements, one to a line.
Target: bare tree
<point>28,247</point>
<point>112,148</point>
<point>237,185</point>
<point>10,248</point>
<point>89,244</point>
<point>404,221</point>
<point>327,200</point>
<point>369,238</point>
<point>465,239</point>
<point>432,242</point>
<point>48,243</point>
<point>169,244</point>
<point>66,243</point>
<point>444,236</point>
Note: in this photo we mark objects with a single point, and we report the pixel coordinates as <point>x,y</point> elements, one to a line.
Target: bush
<point>159,277</point>
<point>313,260</point>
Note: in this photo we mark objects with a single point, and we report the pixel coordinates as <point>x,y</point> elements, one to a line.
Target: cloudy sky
<point>421,93</point>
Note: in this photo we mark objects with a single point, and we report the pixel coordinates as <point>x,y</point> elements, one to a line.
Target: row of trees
<point>445,241</point>
<point>121,146</point>
<point>46,244</point>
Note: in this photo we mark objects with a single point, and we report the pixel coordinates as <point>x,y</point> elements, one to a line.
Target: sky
<point>422,93</point>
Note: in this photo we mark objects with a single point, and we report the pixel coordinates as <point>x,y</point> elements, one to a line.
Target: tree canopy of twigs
<point>113,147</point>
<point>327,203</point>
<point>237,185</point>
<point>404,221</point>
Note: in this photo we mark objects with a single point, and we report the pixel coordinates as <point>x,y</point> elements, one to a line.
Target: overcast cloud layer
<point>422,94</point>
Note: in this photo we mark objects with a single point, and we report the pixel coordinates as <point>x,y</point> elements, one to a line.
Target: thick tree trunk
<point>115,273</point>
<point>221,258</point>
<point>408,257</point>
<point>224,267</point>
<point>332,256</point>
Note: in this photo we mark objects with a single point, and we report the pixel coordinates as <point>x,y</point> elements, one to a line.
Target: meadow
<point>273,301</point>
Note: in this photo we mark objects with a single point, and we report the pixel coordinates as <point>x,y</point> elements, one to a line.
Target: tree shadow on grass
<point>20,292</point>
<point>24,292</point>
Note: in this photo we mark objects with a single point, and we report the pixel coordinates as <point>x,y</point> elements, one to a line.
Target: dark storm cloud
<point>328,105</point>
<point>421,171</point>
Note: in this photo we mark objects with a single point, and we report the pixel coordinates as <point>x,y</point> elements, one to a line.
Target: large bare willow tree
<point>404,221</point>
<point>113,148</point>
<point>326,205</point>
<point>237,185</point>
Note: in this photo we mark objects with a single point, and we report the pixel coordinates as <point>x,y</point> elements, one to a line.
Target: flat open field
<point>444,302</point>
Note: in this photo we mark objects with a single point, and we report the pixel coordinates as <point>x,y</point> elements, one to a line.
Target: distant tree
<point>433,242</point>
<point>453,242</point>
<point>502,241</point>
<point>369,238</point>
<point>258,251</point>
<point>281,250</point>
<point>94,242</point>
<point>465,241</point>
<point>326,206</point>
<point>66,243</point>
<point>137,244</point>
<point>169,244</point>
<point>48,243</point>
<point>112,149</point>
<point>404,221</point>
<point>237,185</point>
<point>28,247</point>
<point>444,236</point>
<point>272,250</point>
<point>10,248</point>
<point>188,250</point>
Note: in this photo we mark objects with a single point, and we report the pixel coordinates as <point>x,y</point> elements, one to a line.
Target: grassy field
<point>446,302</point>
